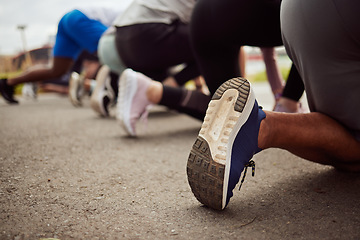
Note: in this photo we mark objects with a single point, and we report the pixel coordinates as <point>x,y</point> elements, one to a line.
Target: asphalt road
<point>68,174</point>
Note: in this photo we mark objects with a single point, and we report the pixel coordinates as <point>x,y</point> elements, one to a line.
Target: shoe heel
<point>241,85</point>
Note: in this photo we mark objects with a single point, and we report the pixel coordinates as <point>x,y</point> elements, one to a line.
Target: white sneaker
<point>29,90</point>
<point>103,95</point>
<point>132,101</point>
<point>76,89</point>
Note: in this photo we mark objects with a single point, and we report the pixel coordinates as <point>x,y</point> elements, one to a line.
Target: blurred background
<point>28,29</point>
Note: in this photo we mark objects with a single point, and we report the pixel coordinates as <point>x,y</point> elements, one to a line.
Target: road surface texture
<point>68,174</point>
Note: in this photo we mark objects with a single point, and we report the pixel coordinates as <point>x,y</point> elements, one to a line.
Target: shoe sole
<point>97,97</point>
<point>73,88</point>
<point>209,162</point>
<point>127,90</point>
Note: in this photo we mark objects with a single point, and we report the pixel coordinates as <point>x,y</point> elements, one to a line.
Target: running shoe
<point>76,89</point>
<point>29,90</point>
<point>103,95</point>
<point>7,91</point>
<point>226,143</point>
<point>132,103</point>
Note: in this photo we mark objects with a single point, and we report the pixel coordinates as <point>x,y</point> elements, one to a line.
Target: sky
<point>40,17</point>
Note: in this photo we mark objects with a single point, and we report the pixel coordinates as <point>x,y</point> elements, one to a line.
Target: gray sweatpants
<point>322,37</point>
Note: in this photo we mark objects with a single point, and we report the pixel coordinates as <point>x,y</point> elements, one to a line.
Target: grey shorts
<point>322,38</point>
<point>107,51</point>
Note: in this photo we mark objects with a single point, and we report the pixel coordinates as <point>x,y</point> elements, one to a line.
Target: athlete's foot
<point>133,101</point>
<point>7,91</point>
<point>227,141</point>
<point>76,89</point>
<point>103,95</point>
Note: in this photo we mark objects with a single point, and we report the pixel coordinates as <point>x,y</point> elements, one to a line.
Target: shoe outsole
<point>206,166</point>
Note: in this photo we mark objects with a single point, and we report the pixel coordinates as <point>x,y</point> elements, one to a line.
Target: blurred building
<point>19,62</point>
<point>37,56</point>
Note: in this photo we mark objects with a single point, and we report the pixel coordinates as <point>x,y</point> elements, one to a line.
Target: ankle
<point>278,94</point>
<point>154,92</point>
<point>264,131</point>
<point>289,104</point>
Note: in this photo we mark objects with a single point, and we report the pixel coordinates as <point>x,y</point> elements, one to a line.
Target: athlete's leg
<point>312,136</point>
<point>59,67</point>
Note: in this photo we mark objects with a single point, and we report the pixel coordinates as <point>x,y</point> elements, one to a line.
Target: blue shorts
<point>76,32</point>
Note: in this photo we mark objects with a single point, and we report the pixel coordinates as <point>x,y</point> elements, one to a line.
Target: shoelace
<point>251,164</point>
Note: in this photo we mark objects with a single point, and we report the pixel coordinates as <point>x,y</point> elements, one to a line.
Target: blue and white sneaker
<point>226,143</point>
